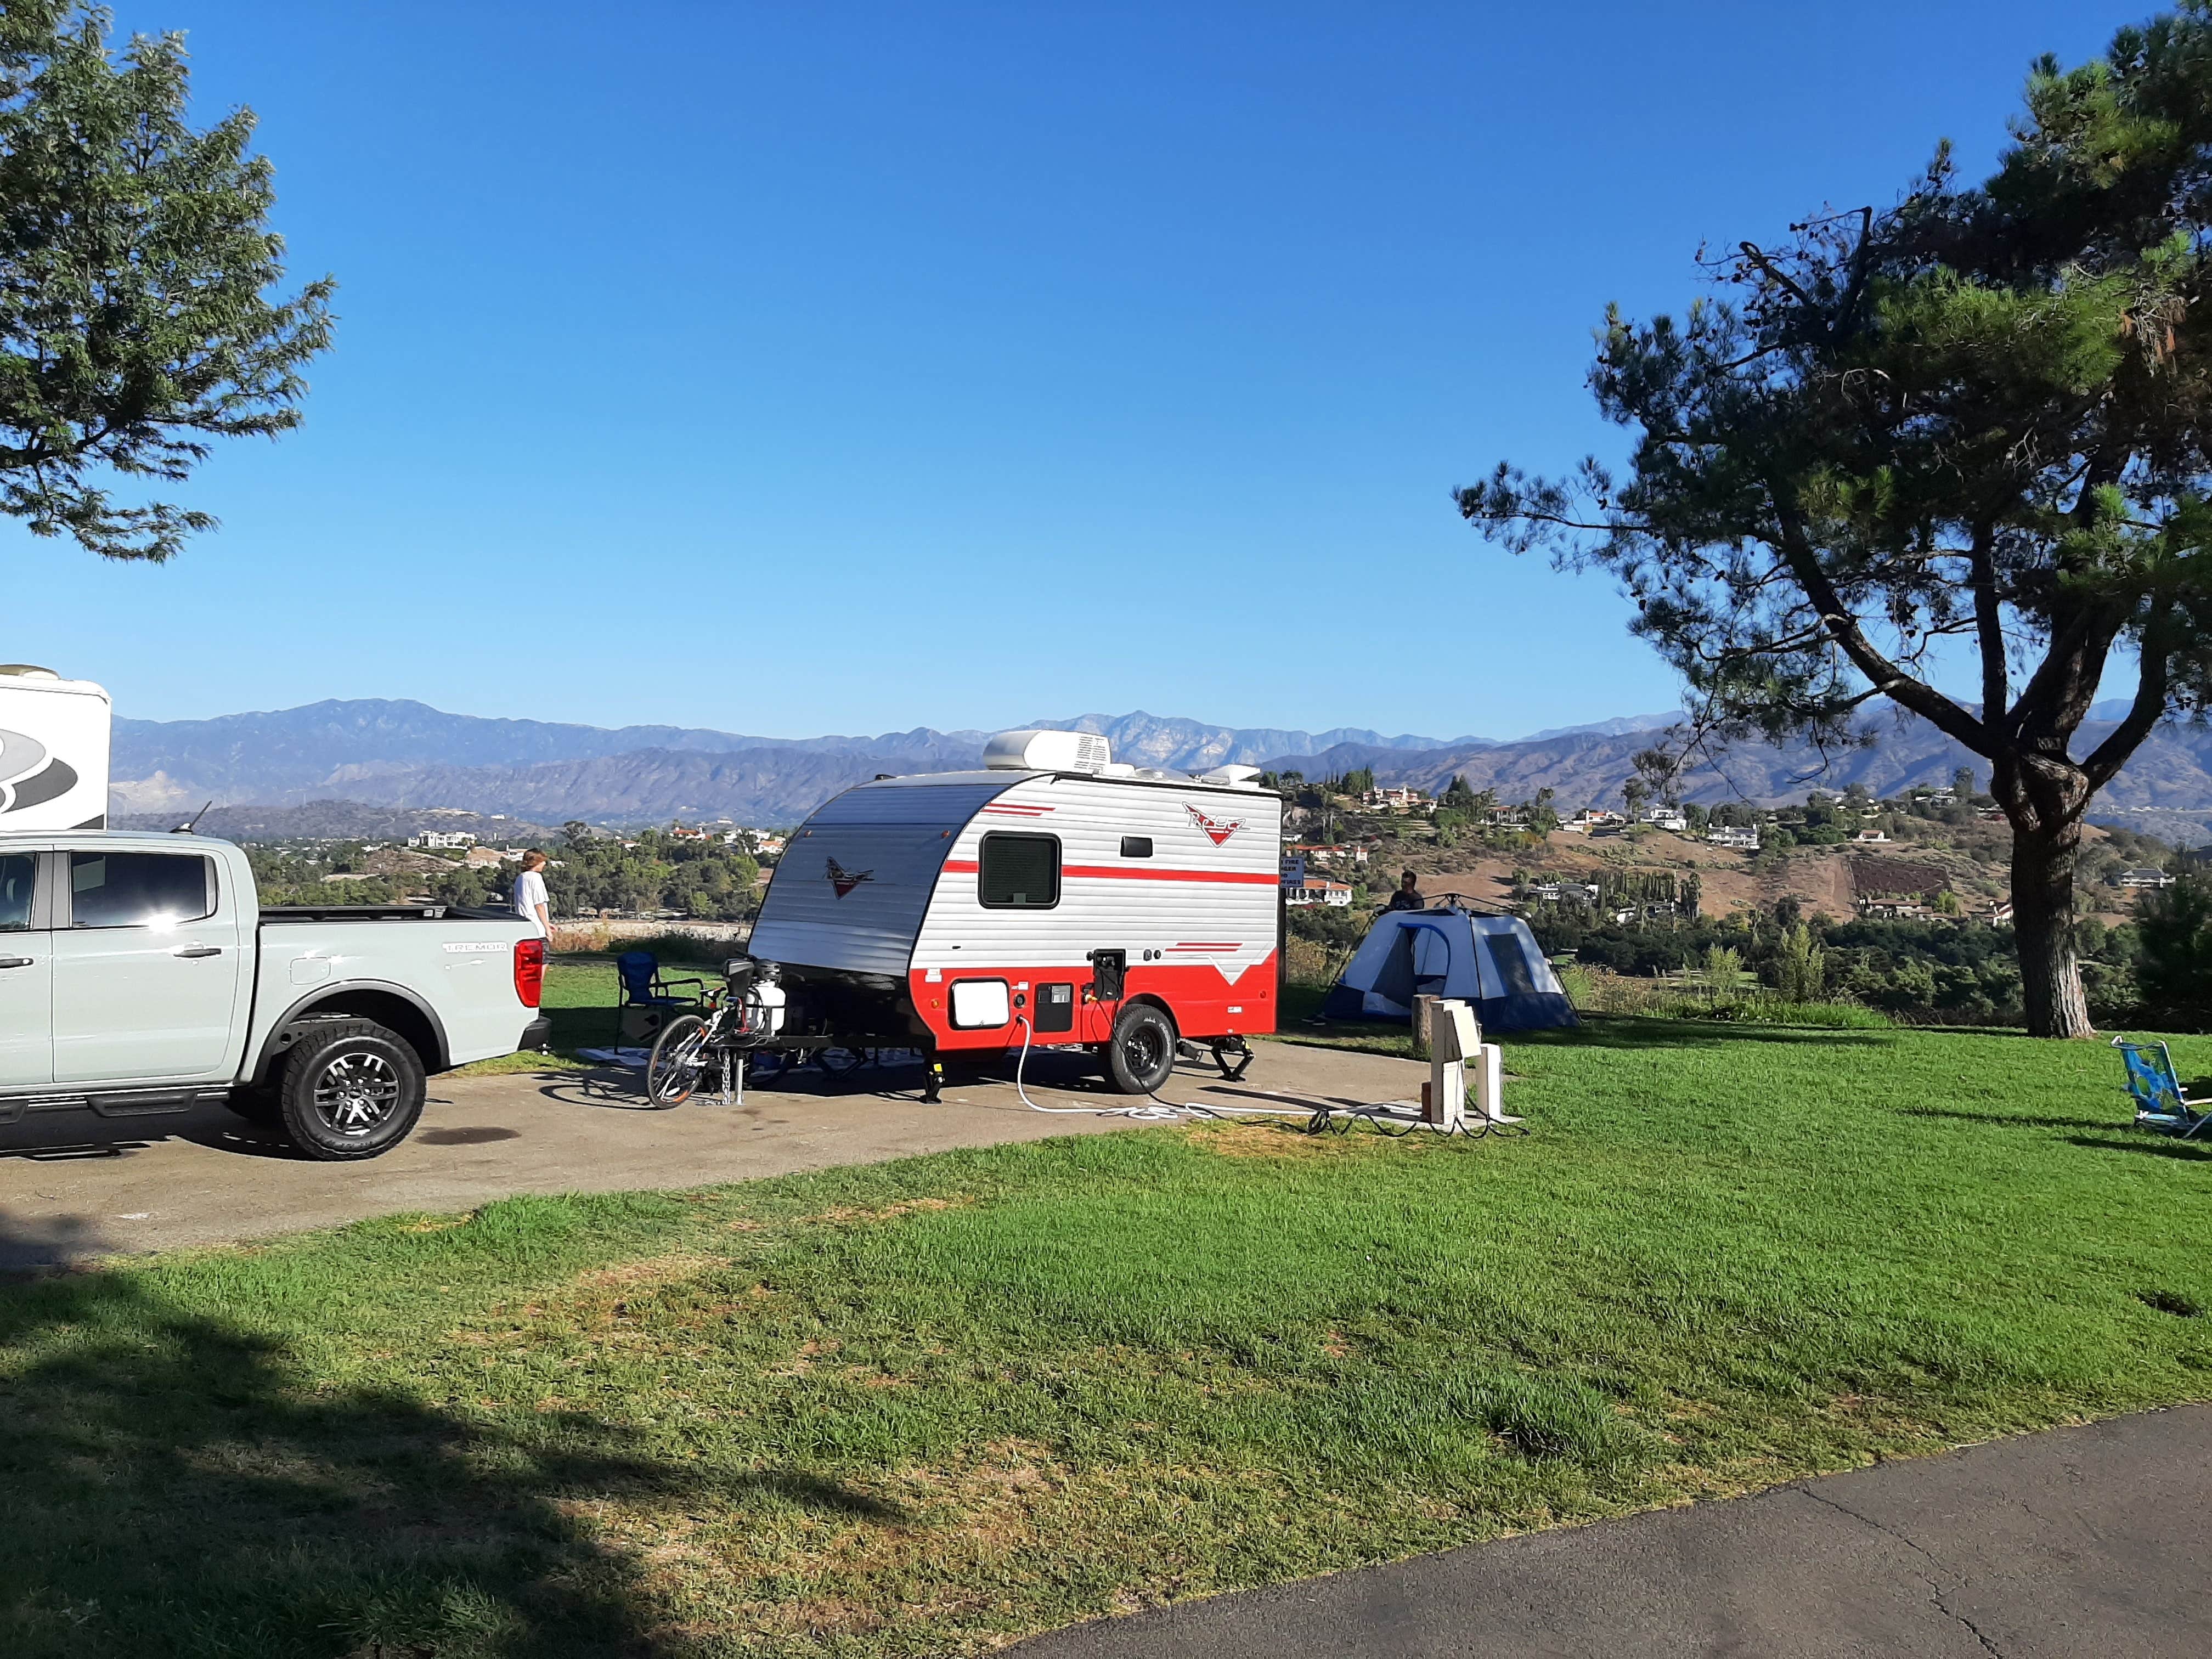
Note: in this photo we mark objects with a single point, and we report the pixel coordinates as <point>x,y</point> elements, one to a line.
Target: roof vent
<point>24,670</point>
<point>1047,751</point>
<point>1232,777</point>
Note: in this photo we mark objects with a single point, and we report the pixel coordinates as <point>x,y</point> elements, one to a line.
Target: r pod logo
<point>27,776</point>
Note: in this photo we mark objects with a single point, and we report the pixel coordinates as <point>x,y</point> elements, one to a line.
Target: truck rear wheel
<point>1141,1055</point>
<point>353,1090</point>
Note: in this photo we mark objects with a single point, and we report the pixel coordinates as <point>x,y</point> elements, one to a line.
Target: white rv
<point>1052,899</point>
<point>53,750</point>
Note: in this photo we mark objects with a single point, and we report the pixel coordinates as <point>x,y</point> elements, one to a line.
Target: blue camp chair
<point>2160,1101</point>
<point>646,998</point>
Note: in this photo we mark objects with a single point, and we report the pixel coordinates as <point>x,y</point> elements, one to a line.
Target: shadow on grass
<point>179,1484</point>
<point>2188,1152</point>
<point>2006,1120</point>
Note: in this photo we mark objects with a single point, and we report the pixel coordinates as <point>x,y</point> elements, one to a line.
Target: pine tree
<point>1983,415</point>
<point>136,262</point>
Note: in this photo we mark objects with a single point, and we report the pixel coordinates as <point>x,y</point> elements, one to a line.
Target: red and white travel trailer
<point>1053,898</point>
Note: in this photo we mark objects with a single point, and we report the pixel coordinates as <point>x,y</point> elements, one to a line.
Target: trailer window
<point>1136,847</point>
<point>19,873</point>
<point>139,890</point>
<point>1019,872</point>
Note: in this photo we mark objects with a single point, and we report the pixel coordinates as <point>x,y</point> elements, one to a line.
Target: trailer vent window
<point>1136,847</point>
<point>1019,872</point>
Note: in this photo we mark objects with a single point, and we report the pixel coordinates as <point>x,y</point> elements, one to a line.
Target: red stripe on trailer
<point>1113,872</point>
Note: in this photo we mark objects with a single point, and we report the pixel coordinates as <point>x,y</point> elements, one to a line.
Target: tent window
<point>1019,872</point>
<point>1509,956</point>
<point>1395,978</point>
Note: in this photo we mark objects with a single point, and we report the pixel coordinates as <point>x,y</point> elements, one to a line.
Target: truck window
<point>1019,872</point>
<point>139,890</point>
<point>19,874</point>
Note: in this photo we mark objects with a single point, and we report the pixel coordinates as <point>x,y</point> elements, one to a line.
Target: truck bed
<point>282,913</point>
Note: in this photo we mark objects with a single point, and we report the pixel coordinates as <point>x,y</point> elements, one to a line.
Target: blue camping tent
<point>1491,961</point>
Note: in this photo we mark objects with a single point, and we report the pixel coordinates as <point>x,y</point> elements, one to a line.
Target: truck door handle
<point>198,950</point>
<point>15,961</point>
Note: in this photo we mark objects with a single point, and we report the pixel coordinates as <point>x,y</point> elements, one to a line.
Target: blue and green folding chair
<point>2160,1101</point>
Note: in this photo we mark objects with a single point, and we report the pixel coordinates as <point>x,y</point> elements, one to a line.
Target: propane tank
<point>764,1002</point>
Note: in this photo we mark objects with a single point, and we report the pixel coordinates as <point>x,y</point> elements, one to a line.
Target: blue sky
<point>851,367</point>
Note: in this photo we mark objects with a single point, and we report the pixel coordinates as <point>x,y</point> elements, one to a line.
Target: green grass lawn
<point>918,1408</point>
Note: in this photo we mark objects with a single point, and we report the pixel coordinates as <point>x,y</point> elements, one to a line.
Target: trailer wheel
<point>352,1092</point>
<point>1142,1055</point>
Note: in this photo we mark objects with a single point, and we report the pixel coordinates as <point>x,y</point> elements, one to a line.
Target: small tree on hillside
<point>136,260</point>
<point>1984,415</point>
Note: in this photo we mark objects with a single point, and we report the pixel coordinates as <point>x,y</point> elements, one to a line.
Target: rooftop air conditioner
<point>1235,777</point>
<point>1047,751</point>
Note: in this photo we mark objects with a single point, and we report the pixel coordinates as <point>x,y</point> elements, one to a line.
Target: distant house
<point>1564,892</point>
<point>1505,817</point>
<point>1729,834</point>
<point>2143,878</point>
<point>1664,817</point>
<point>432,838</point>
<point>481,858</point>
<point>1898,908</point>
<point>1317,889</point>
<point>1595,821</point>
<point>1406,797</point>
<point>768,844</point>
<point>1316,853</point>
<point>1871,838</point>
<point>679,833</point>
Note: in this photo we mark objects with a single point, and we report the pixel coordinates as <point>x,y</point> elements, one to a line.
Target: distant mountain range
<point>405,758</point>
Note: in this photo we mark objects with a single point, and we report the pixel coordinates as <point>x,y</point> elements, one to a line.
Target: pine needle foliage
<point>135,269</point>
<point>1981,417</point>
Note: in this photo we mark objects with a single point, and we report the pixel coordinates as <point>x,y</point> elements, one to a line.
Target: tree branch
<point>2103,764</point>
<point>1888,677</point>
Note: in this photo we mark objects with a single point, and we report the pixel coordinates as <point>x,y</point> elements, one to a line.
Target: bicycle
<point>731,1020</point>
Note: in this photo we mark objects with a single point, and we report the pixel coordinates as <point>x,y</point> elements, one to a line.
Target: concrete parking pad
<point>2083,1543</point>
<point>489,1137</point>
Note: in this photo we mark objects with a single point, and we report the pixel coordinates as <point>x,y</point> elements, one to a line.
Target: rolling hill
<point>406,757</point>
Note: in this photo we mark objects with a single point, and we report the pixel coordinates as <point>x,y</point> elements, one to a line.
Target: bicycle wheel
<point>678,1059</point>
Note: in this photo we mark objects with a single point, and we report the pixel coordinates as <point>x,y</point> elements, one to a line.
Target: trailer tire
<point>352,1090</point>
<point>1142,1055</point>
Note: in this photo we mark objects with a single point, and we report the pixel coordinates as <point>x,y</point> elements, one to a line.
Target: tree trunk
<point>2043,929</point>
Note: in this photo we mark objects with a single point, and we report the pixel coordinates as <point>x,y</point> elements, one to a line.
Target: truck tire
<point>353,1090</point>
<point>1142,1055</point>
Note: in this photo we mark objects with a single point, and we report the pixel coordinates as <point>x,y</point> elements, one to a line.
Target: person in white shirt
<point>530,901</point>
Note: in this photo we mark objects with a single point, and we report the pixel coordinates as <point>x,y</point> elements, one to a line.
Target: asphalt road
<point>2083,1543</point>
<point>551,1132</point>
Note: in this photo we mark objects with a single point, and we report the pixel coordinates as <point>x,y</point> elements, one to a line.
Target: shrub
<point>2173,929</point>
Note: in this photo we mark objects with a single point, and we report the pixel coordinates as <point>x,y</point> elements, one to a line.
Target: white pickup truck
<point>143,991</point>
